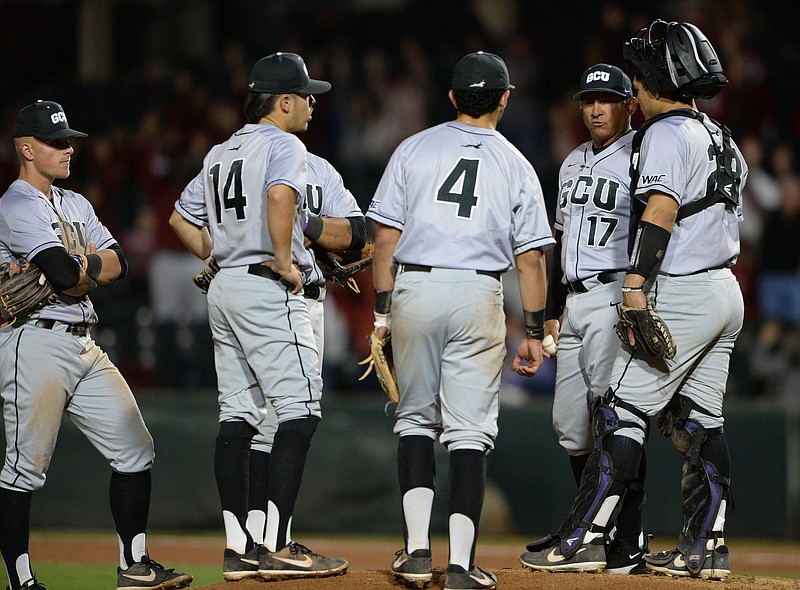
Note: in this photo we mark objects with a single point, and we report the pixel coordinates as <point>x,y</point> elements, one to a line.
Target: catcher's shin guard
<point>608,473</point>
<point>704,492</point>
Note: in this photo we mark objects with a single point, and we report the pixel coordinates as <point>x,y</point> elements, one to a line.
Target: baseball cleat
<point>298,561</point>
<point>238,566</point>
<point>590,557</point>
<point>716,565</point>
<point>475,579</point>
<point>150,575</point>
<point>415,568</point>
<point>623,557</point>
<point>31,584</point>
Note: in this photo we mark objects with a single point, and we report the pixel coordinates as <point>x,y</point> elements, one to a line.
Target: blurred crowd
<point>152,121</point>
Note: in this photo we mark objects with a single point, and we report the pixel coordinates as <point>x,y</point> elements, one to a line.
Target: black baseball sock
<point>629,519</point>
<point>15,521</point>
<point>259,480</point>
<point>286,464</point>
<point>467,481</point>
<point>416,467</point>
<point>129,495</point>
<point>257,499</point>
<point>232,470</point>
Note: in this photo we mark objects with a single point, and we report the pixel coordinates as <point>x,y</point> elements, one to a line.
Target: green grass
<point>101,576</point>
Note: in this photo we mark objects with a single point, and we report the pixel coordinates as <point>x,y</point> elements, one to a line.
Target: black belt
<point>422,268</point>
<point>263,271</point>
<point>312,291</point>
<point>309,291</point>
<point>697,272</point>
<point>605,278</point>
<point>74,329</point>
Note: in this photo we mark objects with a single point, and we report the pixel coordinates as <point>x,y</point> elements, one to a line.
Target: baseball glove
<point>342,268</point>
<point>203,280</point>
<point>24,290</point>
<point>382,361</point>
<point>650,333</point>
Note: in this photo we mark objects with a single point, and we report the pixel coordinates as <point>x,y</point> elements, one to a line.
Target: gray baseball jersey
<point>471,198</point>
<point>47,368</point>
<point>593,215</point>
<point>709,238</point>
<point>700,302</point>
<point>233,203</point>
<point>263,341</point>
<point>327,195</point>
<point>465,200</point>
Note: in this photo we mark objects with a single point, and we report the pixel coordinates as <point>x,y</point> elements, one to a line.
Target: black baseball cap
<point>480,71</point>
<point>283,72</point>
<point>605,78</point>
<point>44,120</point>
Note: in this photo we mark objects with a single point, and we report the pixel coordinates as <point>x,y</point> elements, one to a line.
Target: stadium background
<point>156,82</point>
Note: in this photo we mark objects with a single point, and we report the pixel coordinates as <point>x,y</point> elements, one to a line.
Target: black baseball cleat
<point>31,584</point>
<point>415,568</point>
<point>151,575</point>
<point>239,566</point>
<point>624,557</point>
<point>298,561</point>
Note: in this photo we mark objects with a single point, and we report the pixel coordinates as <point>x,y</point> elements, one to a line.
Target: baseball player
<point>249,201</point>
<point>586,273</point>
<point>687,178</point>
<point>335,223</point>
<point>50,365</point>
<point>456,207</point>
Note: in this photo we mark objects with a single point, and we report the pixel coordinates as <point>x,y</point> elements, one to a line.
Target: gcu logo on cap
<point>598,76</point>
<point>57,118</point>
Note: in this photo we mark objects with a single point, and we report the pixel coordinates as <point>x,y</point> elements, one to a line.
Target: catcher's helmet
<point>675,57</point>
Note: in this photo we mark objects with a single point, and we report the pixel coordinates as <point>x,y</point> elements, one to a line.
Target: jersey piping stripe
<point>16,407</point>
<point>297,351</point>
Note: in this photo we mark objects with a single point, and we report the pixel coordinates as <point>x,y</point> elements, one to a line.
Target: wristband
<point>382,320</point>
<point>94,264</point>
<point>632,289</point>
<point>383,301</point>
<point>534,324</point>
<point>312,228</point>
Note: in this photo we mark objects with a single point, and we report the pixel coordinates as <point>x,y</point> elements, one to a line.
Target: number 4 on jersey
<point>238,200</point>
<point>466,199</point>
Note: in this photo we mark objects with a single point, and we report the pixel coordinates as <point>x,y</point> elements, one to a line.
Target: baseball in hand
<point>549,345</point>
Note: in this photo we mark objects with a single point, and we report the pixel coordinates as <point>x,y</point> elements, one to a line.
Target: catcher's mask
<point>675,57</point>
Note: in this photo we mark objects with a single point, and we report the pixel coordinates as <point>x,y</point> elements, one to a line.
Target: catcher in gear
<point>687,176</point>
<point>52,241</point>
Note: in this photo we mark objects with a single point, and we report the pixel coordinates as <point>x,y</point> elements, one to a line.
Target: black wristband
<point>534,324</point>
<point>94,264</point>
<point>313,228</point>
<point>649,245</point>
<point>383,301</point>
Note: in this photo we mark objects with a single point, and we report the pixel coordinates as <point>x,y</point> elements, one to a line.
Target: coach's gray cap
<point>283,72</point>
<point>605,78</point>
<point>44,120</point>
<point>480,71</point>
